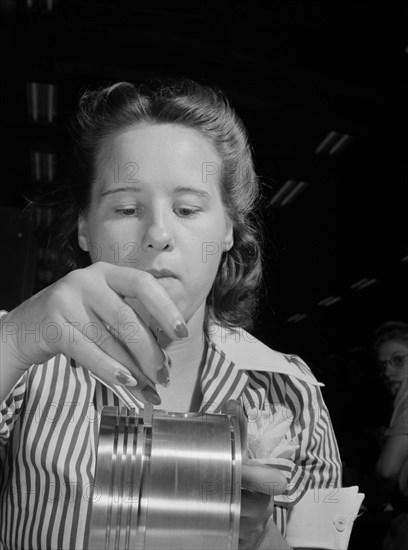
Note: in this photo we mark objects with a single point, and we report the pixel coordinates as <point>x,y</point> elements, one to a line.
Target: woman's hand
<point>259,485</point>
<point>87,316</point>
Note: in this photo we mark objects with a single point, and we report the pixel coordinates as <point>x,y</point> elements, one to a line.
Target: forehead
<point>154,149</point>
<point>389,348</point>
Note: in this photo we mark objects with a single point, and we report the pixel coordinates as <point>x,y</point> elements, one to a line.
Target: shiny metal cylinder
<point>169,481</point>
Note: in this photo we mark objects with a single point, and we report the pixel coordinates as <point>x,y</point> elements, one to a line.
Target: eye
<point>398,360</point>
<point>126,212</point>
<point>186,212</point>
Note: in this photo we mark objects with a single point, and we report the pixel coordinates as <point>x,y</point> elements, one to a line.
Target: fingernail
<point>125,378</point>
<point>162,373</point>
<point>181,330</point>
<point>163,376</point>
<point>151,395</point>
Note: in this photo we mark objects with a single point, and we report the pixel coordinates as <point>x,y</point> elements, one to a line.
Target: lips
<point>161,273</point>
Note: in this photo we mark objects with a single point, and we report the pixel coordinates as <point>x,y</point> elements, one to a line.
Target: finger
<point>130,330</point>
<point>246,542</point>
<point>147,354</point>
<point>254,504</point>
<point>133,283</point>
<point>250,532</point>
<point>263,478</point>
<point>115,343</point>
<point>254,517</point>
<point>113,367</point>
<point>248,527</point>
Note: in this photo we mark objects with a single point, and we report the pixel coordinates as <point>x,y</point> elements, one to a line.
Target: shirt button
<point>340,522</point>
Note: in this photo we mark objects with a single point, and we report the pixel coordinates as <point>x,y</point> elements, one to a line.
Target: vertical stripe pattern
<point>45,497</point>
<point>49,428</point>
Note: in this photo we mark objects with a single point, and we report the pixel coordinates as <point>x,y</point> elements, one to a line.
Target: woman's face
<point>393,361</point>
<point>154,207</point>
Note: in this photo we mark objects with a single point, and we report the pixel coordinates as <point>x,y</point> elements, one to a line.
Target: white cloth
<point>324,518</point>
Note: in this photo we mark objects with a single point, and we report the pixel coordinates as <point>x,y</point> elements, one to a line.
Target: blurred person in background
<point>391,350</point>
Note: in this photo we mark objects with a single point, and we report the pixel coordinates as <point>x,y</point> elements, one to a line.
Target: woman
<point>391,349</point>
<point>161,265</point>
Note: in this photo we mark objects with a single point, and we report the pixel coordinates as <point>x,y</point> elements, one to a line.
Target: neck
<point>184,392</point>
<point>190,348</point>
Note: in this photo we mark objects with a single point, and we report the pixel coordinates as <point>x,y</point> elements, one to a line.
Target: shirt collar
<point>248,353</point>
<point>229,355</point>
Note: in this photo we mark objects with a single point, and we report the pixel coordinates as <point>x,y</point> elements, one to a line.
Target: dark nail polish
<point>151,395</point>
<point>181,330</point>
<point>125,379</point>
<point>163,376</point>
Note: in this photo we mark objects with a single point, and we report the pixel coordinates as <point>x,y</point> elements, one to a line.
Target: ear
<point>82,234</point>
<point>229,236</point>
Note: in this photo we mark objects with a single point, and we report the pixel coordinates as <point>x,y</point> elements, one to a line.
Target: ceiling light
<point>332,143</point>
<point>358,283</point>
<point>368,283</point>
<point>363,283</point>
<point>41,101</point>
<point>330,300</point>
<point>283,191</point>
<point>43,164</point>
<point>325,300</point>
<point>43,5</point>
<point>327,142</point>
<point>297,317</point>
<point>340,144</point>
<point>334,300</point>
<point>295,192</point>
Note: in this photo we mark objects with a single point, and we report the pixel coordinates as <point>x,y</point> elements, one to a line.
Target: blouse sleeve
<point>11,406</point>
<point>294,433</point>
<point>317,458</point>
<point>10,409</point>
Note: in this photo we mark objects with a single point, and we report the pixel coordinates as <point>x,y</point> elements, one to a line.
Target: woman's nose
<point>158,235</point>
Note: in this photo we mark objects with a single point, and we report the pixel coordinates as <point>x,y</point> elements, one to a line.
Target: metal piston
<point>166,481</point>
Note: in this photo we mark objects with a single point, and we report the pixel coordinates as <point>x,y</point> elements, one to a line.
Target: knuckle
<point>59,297</point>
<point>63,291</point>
<point>75,277</point>
<point>93,272</point>
<point>123,314</point>
<point>98,267</point>
<point>260,526</point>
<point>104,340</point>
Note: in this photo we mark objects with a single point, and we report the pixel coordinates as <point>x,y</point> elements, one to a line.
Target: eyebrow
<point>179,189</point>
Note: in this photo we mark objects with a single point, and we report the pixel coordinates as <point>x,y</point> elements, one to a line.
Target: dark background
<point>294,71</point>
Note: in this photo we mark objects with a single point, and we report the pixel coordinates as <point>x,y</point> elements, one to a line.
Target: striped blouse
<point>49,427</point>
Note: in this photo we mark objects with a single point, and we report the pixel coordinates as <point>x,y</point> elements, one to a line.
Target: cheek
<point>211,253</point>
<point>116,248</point>
<point>404,373</point>
<point>201,266</point>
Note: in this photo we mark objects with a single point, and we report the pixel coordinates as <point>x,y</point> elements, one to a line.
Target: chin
<point>188,312</point>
